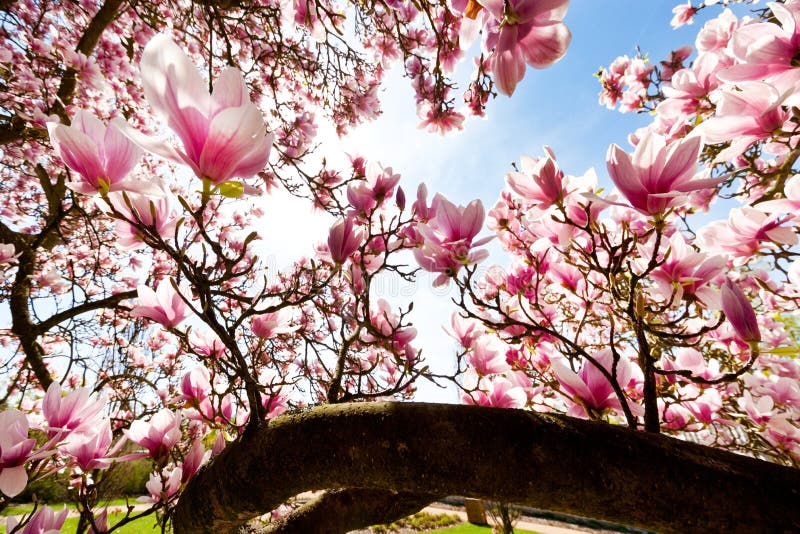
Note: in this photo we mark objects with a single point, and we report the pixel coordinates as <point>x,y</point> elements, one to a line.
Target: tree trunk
<point>550,462</point>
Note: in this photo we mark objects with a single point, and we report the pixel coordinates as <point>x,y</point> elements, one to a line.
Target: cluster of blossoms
<point>614,307</point>
<point>611,311</point>
<point>222,362</point>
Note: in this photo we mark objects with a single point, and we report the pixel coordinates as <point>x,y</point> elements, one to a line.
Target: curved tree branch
<point>110,301</point>
<point>550,462</point>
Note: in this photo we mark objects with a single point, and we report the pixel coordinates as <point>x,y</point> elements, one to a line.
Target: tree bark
<point>551,462</point>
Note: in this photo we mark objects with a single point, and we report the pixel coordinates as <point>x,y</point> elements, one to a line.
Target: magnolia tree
<point>136,139</point>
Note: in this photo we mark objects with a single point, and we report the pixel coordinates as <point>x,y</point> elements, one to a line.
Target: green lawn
<point>148,525</point>
<point>468,528</point>
<point>19,509</point>
<point>145,525</point>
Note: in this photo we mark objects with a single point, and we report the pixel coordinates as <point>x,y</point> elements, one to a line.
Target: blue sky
<point>556,106</point>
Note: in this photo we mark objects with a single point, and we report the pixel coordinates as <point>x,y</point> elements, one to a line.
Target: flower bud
<point>739,312</point>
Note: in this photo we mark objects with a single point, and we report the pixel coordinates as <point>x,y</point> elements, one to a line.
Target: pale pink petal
<point>90,125</point>
<point>13,480</point>
<point>506,63</point>
<point>231,135</point>
<point>154,146</point>
<point>120,154</point>
<point>543,45</point>
<point>175,89</point>
<point>230,90</point>
<point>254,162</point>
<point>78,151</point>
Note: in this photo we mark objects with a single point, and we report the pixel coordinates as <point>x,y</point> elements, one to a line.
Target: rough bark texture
<point>547,461</point>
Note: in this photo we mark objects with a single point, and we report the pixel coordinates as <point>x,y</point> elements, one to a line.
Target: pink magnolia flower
<point>15,450</point>
<point>219,444</point>
<point>502,393</point>
<point>102,156</point>
<point>675,416</point>
<point>194,459</point>
<point>76,411</point>
<point>196,385</point>
<point>101,521</point>
<point>716,33</point>
<point>7,253</point>
<point>157,212</point>
<point>746,231</point>
<point>684,13</point>
<point>589,387</point>
<point>746,113</point>
<point>275,403</point>
<point>488,356</point>
<point>767,51</point>
<point>739,312</point>
<point>706,406</point>
<point>658,174</point>
<point>782,432</point>
<point>165,305</point>
<point>344,239</point>
<point>162,487</point>
<point>90,450</point>
<point>378,185</point>
<point>784,391</point>
<point>687,273</point>
<point>44,521</point>
<point>689,88</point>
<point>159,435</point>
<point>206,343</point>
<point>439,121</point>
<point>524,31</point>
<point>465,330</point>
<point>423,212</point>
<point>269,325</point>
<point>223,133</point>
<point>386,324</point>
<point>761,410</point>
<point>448,238</point>
<point>674,61</point>
<point>540,181</point>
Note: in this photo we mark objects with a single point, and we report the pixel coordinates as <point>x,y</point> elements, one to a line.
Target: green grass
<point>19,509</point>
<point>468,528</point>
<point>145,525</point>
<point>419,522</point>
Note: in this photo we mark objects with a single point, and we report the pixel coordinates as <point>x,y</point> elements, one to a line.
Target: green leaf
<point>231,189</point>
<point>793,352</point>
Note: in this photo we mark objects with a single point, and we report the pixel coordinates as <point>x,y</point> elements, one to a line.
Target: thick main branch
<point>546,461</point>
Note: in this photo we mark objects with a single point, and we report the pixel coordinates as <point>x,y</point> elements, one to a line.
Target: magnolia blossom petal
<point>13,480</point>
<point>230,90</point>
<point>739,312</point>
<point>506,63</point>
<point>232,135</point>
<point>543,45</point>
<point>78,151</point>
<point>176,90</point>
<point>155,146</point>
<point>121,155</point>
